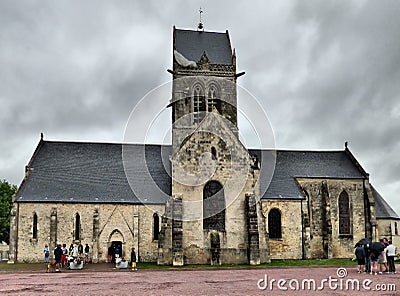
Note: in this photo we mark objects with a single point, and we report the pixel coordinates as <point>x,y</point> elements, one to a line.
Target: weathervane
<point>200,27</point>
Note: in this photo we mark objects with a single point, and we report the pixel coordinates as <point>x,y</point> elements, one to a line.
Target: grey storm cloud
<point>326,72</point>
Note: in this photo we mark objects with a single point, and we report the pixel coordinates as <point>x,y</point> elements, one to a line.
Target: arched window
<point>199,104</point>
<point>213,206</point>
<point>156,226</point>
<point>214,153</point>
<point>274,224</point>
<point>213,101</point>
<point>34,226</point>
<point>77,226</point>
<point>344,213</point>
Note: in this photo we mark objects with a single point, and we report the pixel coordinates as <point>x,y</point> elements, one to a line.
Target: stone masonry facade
<point>100,224</point>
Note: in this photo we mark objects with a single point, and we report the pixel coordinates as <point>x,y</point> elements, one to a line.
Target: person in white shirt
<point>391,252</point>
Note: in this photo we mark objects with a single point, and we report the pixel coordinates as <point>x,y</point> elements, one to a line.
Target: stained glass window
<point>344,213</point>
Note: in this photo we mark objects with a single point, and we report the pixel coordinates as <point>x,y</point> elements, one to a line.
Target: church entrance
<point>115,243</point>
<point>117,247</point>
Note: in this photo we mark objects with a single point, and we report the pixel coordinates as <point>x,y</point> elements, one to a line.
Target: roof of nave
<point>306,164</point>
<point>382,209</point>
<point>192,44</point>
<point>95,173</point>
<point>80,172</point>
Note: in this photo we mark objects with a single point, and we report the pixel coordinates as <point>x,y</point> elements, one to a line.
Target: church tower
<point>212,215</point>
<point>204,80</point>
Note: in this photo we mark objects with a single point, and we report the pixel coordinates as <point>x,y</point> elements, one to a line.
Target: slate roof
<point>382,209</point>
<point>192,44</point>
<point>311,164</point>
<point>95,172</point>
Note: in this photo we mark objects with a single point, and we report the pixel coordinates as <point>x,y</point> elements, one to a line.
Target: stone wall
<point>387,229</point>
<point>322,213</point>
<point>290,245</point>
<point>193,166</point>
<point>131,224</point>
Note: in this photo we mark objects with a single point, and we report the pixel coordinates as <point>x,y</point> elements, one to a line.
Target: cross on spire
<point>200,26</point>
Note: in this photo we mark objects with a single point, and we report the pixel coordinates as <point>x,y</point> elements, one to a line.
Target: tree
<point>6,192</point>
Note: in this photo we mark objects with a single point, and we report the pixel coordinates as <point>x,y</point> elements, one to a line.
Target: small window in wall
<point>274,224</point>
<point>344,213</point>
<point>156,226</point>
<point>77,227</point>
<point>396,230</point>
<point>34,226</point>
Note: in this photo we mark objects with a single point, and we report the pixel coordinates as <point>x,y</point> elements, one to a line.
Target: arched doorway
<point>116,243</point>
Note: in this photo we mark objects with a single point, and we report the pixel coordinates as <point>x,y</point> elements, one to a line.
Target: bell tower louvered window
<point>199,105</point>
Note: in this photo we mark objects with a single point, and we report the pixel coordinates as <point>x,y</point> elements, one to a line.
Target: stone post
<point>53,232</point>
<point>177,232</point>
<point>136,230</point>
<point>165,238</point>
<point>374,224</point>
<point>252,230</point>
<point>265,254</point>
<point>95,239</point>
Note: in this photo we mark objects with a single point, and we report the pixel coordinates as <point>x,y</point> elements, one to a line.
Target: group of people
<point>368,258</point>
<point>61,253</point>
<point>115,251</point>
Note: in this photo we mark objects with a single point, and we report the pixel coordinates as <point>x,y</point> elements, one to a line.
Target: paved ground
<point>101,279</point>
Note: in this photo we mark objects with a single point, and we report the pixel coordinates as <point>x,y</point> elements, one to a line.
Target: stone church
<point>204,199</point>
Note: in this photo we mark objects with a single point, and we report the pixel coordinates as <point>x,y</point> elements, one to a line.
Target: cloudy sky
<point>325,72</point>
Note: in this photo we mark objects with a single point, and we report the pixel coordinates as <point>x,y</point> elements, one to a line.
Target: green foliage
<point>6,192</point>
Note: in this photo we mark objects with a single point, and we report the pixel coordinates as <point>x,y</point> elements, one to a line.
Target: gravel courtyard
<point>103,280</point>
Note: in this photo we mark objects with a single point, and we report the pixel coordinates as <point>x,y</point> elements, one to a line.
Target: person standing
<point>133,259</point>
<point>383,259</point>
<point>110,253</point>
<point>360,255</point>
<point>64,255</point>
<point>116,252</point>
<point>367,258</point>
<point>71,249</point>
<point>46,253</point>
<point>87,248</point>
<point>391,252</point>
<point>80,250</point>
<point>57,256</point>
<point>374,262</point>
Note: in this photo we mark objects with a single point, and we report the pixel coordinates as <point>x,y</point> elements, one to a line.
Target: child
<point>133,259</point>
<point>46,252</point>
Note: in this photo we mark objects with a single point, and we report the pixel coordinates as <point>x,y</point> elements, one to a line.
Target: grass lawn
<point>152,265</point>
<point>21,266</point>
<point>274,263</point>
